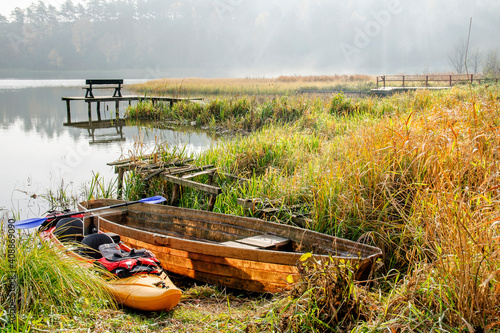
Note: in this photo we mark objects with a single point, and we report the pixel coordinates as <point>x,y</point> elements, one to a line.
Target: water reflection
<point>97,130</point>
<point>40,153</point>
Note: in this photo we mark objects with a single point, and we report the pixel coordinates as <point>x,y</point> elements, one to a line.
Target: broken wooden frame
<point>177,172</point>
<point>262,208</point>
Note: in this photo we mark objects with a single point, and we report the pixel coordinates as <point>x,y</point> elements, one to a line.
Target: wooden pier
<point>404,83</point>
<point>434,80</point>
<point>387,91</point>
<point>102,99</point>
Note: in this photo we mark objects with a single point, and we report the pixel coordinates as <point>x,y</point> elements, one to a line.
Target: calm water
<point>39,153</point>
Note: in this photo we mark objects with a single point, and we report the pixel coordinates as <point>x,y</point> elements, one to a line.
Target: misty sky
<point>335,36</point>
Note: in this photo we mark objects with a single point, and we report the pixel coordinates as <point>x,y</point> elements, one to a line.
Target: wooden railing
<point>427,80</point>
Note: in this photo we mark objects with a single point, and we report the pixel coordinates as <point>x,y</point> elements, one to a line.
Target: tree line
<point>226,37</point>
<point>463,60</point>
<point>116,34</point>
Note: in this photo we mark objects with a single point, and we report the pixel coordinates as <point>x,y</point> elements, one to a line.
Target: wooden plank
<point>200,230</point>
<point>104,81</point>
<point>200,173</point>
<point>188,183</point>
<point>240,180</point>
<point>211,202</point>
<point>120,183</point>
<point>239,245</point>
<point>145,157</point>
<point>175,194</point>
<point>264,241</point>
<point>181,169</point>
<point>153,174</point>
<point>126,98</point>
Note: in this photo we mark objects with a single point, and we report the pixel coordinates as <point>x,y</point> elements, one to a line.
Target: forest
<point>235,38</point>
<point>141,34</point>
<point>101,35</point>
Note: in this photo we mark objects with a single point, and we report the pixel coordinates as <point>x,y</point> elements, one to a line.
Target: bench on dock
<point>116,84</point>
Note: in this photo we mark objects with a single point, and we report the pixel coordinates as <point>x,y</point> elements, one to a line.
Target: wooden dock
<point>405,83</point>
<point>387,91</point>
<point>434,80</point>
<point>101,99</point>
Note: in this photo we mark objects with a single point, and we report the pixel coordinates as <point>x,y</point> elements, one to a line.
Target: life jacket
<point>125,264</point>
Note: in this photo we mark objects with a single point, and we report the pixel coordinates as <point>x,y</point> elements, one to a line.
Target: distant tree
<point>491,67</point>
<point>68,12</point>
<point>17,16</point>
<point>457,57</point>
<point>474,61</point>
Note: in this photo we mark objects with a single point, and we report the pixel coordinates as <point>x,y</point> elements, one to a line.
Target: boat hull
<point>194,243</point>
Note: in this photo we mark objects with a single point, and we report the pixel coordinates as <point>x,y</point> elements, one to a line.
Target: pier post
<point>99,111</point>
<point>117,107</point>
<point>90,111</point>
<point>68,111</point>
<point>119,191</point>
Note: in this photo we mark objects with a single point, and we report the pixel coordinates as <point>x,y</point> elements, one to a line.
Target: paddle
<point>36,221</point>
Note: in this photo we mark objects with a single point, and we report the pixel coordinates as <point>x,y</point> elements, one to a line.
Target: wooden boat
<point>146,292</point>
<point>237,252</point>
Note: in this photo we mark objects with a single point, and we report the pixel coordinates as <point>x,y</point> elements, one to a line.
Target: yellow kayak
<point>146,292</point>
<point>142,291</point>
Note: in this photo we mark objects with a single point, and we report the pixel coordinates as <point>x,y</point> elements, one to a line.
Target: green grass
<point>51,289</point>
<point>415,174</point>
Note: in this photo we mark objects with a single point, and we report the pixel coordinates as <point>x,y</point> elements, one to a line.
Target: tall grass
<point>247,113</point>
<point>254,86</point>
<point>98,188</point>
<point>415,174</point>
<point>52,289</point>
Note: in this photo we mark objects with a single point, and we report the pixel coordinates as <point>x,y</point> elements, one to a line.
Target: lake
<point>39,153</point>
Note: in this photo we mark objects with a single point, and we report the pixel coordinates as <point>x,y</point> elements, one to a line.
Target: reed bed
<point>415,174</point>
<point>45,288</point>
<point>255,86</point>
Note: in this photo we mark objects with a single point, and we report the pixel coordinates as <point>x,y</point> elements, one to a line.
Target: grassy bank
<point>250,113</point>
<point>415,174</point>
<point>261,86</point>
<point>42,287</point>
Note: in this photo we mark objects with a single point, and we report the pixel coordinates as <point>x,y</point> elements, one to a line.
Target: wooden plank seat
<point>266,241</point>
<point>111,83</point>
